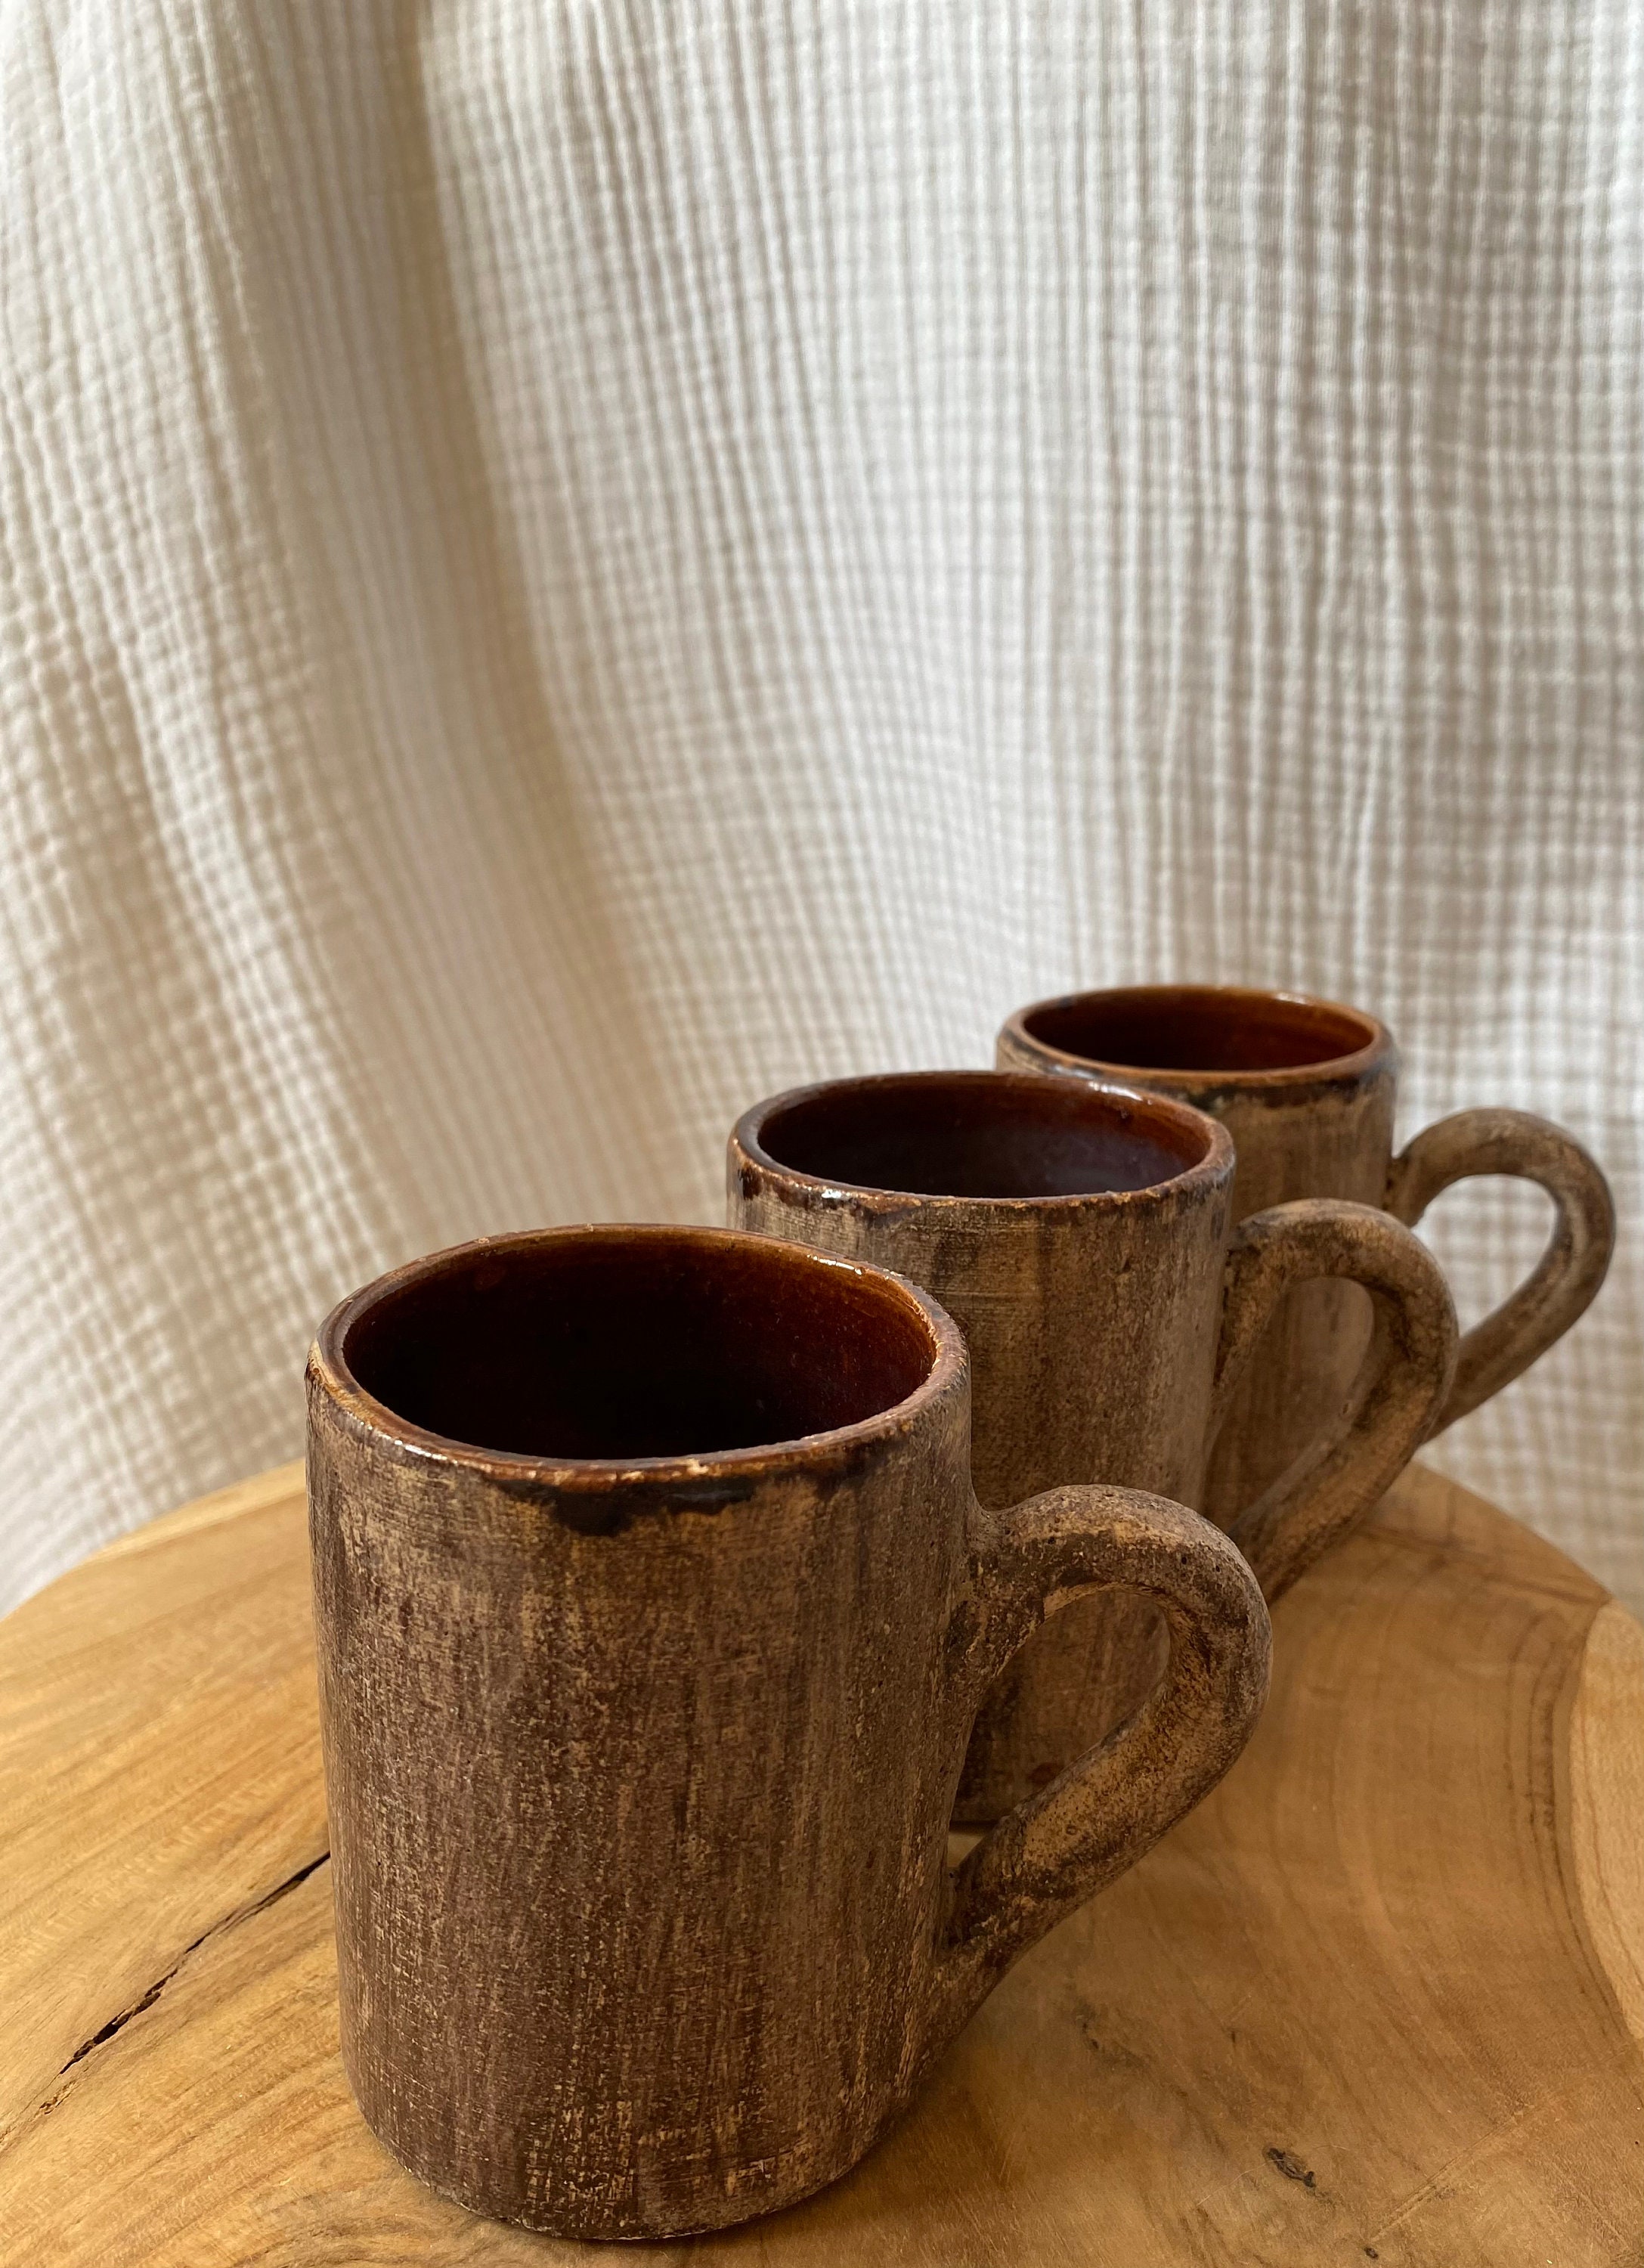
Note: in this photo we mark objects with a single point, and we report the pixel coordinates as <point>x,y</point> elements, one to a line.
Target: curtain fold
<point>565,566</point>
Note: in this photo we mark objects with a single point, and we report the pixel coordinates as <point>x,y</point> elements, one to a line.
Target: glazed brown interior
<point>629,1343</point>
<point>981,1134</point>
<point>1199,1028</point>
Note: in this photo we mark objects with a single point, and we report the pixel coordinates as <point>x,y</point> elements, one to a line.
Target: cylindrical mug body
<point>1307,1089</point>
<point>1078,1240</point>
<point>640,1764</point>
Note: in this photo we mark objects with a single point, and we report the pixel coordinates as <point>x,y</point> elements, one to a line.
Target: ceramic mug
<point>1307,1090</point>
<point>1083,1242</point>
<point>653,1607</point>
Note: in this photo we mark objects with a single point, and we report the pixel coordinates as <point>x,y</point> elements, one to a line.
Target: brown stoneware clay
<point>1081,1239</point>
<point>654,1607</point>
<point>1307,1090</point>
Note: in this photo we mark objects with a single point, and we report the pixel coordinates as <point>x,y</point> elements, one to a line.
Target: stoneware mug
<point>1307,1090</point>
<point>1081,1240</point>
<point>654,1605</point>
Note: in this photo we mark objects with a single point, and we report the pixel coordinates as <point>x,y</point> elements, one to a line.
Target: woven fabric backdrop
<point>564,564</point>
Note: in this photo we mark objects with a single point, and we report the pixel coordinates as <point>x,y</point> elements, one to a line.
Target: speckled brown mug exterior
<point>654,1605</point>
<point>1082,1241</point>
<point>1307,1088</point>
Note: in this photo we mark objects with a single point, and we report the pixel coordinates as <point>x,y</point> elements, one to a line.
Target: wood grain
<point>160,1770</point>
<point>1370,2002</point>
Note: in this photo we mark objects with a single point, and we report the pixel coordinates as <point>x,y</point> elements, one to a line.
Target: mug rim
<point>1215,1163</point>
<point>684,1475</point>
<point>1352,1065</point>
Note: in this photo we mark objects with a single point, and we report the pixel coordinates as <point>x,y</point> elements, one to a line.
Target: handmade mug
<point>653,1607</point>
<point>1081,1240</point>
<point>1307,1090</point>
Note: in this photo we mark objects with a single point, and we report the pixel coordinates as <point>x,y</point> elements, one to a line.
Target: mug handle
<point>1099,1816</point>
<point>1398,1392</point>
<point>1563,1284</point>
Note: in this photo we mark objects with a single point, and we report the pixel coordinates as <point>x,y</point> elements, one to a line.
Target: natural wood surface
<point>1381,1997</point>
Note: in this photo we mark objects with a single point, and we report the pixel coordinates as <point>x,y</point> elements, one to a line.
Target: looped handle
<point>1561,1287</point>
<point>1401,1386</point>
<point>1099,1816</point>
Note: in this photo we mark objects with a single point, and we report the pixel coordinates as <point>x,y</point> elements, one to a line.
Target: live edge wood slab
<point>1380,1997</point>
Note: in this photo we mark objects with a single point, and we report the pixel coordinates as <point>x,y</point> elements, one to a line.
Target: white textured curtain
<point>565,564</point>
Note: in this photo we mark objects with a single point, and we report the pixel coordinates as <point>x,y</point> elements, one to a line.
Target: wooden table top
<point>1380,1999</point>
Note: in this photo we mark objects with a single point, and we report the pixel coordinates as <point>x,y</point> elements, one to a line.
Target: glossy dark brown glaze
<point>640,1766</point>
<point>629,1350</point>
<point>1202,1030</point>
<point>1308,1089</point>
<point>976,1136</point>
<point>1084,1248</point>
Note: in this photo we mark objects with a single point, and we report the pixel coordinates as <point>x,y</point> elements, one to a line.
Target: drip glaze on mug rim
<point>681,1473</point>
<point>1370,1046</point>
<point>1152,1113</point>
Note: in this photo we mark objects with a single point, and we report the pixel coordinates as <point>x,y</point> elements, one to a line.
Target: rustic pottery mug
<point>1307,1090</point>
<point>1081,1240</point>
<point>653,1607</point>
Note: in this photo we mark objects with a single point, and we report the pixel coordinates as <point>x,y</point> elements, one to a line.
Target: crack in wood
<point>118,2023</point>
